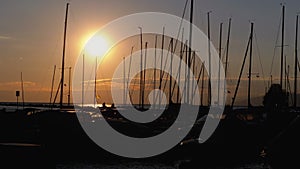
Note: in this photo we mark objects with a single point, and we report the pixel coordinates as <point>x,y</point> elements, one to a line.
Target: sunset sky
<point>31,36</point>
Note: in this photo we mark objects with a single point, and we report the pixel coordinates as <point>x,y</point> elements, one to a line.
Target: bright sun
<point>97,46</point>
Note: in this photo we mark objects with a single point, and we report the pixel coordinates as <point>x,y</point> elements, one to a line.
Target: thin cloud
<point>2,37</point>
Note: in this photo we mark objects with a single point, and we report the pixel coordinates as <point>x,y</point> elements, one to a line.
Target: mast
<point>227,53</point>
<point>141,67</point>
<point>202,86</point>
<point>241,72</point>
<point>154,70</point>
<point>227,46</point>
<point>171,71</point>
<point>161,64</point>
<point>63,58</point>
<point>250,67</point>
<point>296,61</point>
<point>220,55</point>
<point>22,86</point>
<point>185,70</point>
<point>124,82</point>
<point>190,50</point>
<point>144,76</point>
<point>95,81</point>
<point>282,45</point>
<point>69,94</point>
<point>194,59</point>
<point>82,97</point>
<point>179,72</point>
<point>130,60</point>
<point>51,93</point>
<point>209,59</point>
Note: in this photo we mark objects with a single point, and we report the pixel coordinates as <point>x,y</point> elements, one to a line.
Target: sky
<point>31,35</point>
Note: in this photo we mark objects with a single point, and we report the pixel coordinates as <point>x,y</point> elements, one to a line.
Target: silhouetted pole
<point>52,86</point>
<point>144,76</point>
<point>63,58</point>
<point>202,86</point>
<point>241,72</point>
<point>190,51</point>
<point>161,65</point>
<point>17,95</point>
<point>250,67</point>
<point>171,71</point>
<point>227,55</point>
<point>124,82</point>
<point>82,97</point>
<point>141,67</point>
<point>282,45</point>
<point>220,61</point>
<point>95,81</point>
<point>209,60</point>
<point>154,70</point>
<point>129,69</point>
<point>69,94</point>
<point>194,59</point>
<point>22,87</point>
<point>179,70</point>
<point>296,61</point>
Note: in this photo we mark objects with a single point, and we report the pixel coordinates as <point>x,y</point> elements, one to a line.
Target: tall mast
<point>190,51</point>
<point>95,88</point>
<point>220,55</point>
<point>202,86</point>
<point>282,45</point>
<point>69,92</point>
<point>124,82</point>
<point>250,67</point>
<point>227,46</point>
<point>22,86</point>
<point>296,61</point>
<point>154,70</point>
<point>82,97</point>
<point>141,67</point>
<point>227,53</point>
<point>241,72</point>
<point>144,76</point>
<point>51,93</point>
<point>181,58</point>
<point>130,60</point>
<point>161,65</point>
<point>193,70</point>
<point>171,71</point>
<point>209,59</point>
<point>63,58</point>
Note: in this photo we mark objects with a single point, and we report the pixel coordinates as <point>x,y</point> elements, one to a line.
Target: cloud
<point>10,86</point>
<point>2,37</point>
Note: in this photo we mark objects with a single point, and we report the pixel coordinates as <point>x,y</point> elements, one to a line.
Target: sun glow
<point>97,46</point>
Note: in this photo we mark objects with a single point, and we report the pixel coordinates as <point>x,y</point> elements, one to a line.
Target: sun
<point>97,46</point>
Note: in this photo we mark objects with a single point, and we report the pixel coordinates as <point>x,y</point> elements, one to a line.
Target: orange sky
<point>31,34</point>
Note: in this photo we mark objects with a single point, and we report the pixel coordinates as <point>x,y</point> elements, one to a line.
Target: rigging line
<point>130,61</point>
<point>274,51</point>
<point>166,65</point>
<point>198,79</point>
<point>180,26</point>
<point>288,85</point>
<point>131,92</point>
<point>57,91</point>
<point>259,57</point>
<point>241,72</point>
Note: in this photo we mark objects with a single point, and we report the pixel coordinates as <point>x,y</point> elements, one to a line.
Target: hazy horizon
<point>31,36</point>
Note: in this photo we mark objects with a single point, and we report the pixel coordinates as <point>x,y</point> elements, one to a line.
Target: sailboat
<point>283,147</point>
